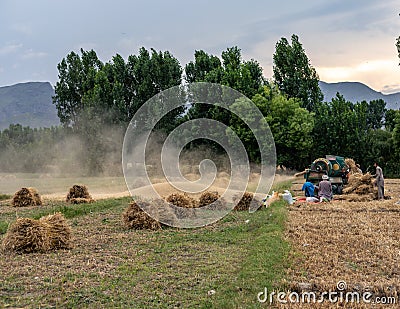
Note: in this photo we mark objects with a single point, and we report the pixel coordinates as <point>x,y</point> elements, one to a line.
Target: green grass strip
<point>5,197</point>
<point>70,211</point>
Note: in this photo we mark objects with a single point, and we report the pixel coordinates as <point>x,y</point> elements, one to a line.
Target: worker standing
<point>325,193</point>
<point>379,181</point>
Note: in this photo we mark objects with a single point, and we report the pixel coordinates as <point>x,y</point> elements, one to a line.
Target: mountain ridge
<point>357,92</point>
<point>30,103</point>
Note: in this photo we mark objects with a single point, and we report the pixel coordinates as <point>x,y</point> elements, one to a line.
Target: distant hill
<point>357,92</point>
<point>29,104</point>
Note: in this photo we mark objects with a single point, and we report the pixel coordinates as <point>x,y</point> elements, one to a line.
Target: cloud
<point>31,54</point>
<point>374,73</point>
<point>10,48</point>
<point>387,89</point>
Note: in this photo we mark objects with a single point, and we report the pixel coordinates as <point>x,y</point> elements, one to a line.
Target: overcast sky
<point>345,40</point>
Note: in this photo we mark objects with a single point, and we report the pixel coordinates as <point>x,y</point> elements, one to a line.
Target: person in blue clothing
<point>308,189</point>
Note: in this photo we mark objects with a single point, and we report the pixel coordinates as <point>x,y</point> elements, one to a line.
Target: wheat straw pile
<point>184,204</point>
<point>181,200</point>
<point>358,243</point>
<point>29,235</point>
<point>135,217</point>
<point>245,201</point>
<point>213,199</point>
<point>26,197</point>
<point>79,194</point>
<point>360,188</point>
<point>352,165</point>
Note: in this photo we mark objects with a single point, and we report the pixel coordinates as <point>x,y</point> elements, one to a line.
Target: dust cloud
<point>53,168</point>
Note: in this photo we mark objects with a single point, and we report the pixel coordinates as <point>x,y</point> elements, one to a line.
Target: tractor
<point>333,166</point>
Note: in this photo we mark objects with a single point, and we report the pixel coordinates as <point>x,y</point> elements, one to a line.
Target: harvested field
<point>111,265</point>
<point>354,242</point>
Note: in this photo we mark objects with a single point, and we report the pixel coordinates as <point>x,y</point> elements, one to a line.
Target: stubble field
<point>307,247</point>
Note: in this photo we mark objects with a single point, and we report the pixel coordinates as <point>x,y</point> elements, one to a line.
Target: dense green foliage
<point>294,75</point>
<point>96,100</point>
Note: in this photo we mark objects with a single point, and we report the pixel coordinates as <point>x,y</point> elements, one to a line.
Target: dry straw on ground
<point>79,194</point>
<point>136,218</point>
<point>26,197</point>
<point>29,235</point>
<point>245,202</point>
<point>184,204</point>
<point>181,200</point>
<point>360,188</point>
<point>352,165</point>
<point>358,243</point>
<point>213,199</point>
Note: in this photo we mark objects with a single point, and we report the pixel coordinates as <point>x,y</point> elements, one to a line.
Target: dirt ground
<point>56,188</point>
<point>353,242</point>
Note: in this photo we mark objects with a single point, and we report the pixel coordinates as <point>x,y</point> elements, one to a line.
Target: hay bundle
<point>244,203</point>
<point>352,165</point>
<point>135,218</point>
<point>364,189</point>
<point>209,197</point>
<point>181,200</point>
<point>184,204</point>
<point>26,197</point>
<point>361,184</point>
<point>29,235</point>
<point>58,231</point>
<point>79,194</point>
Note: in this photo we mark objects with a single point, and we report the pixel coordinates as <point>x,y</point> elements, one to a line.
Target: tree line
<point>93,98</point>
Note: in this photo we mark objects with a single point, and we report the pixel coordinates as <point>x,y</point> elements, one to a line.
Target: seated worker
<point>325,193</point>
<point>308,189</point>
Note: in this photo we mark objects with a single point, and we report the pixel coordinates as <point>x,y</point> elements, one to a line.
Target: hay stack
<point>208,197</point>
<point>135,218</point>
<point>79,194</point>
<point>360,184</point>
<point>181,200</point>
<point>184,203</point>
<point>352,165</point>
<point>245,202</point>
<point>29,235</point>
<point>58,231</point>
<point>360,188</point>
<point>26,197</point>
